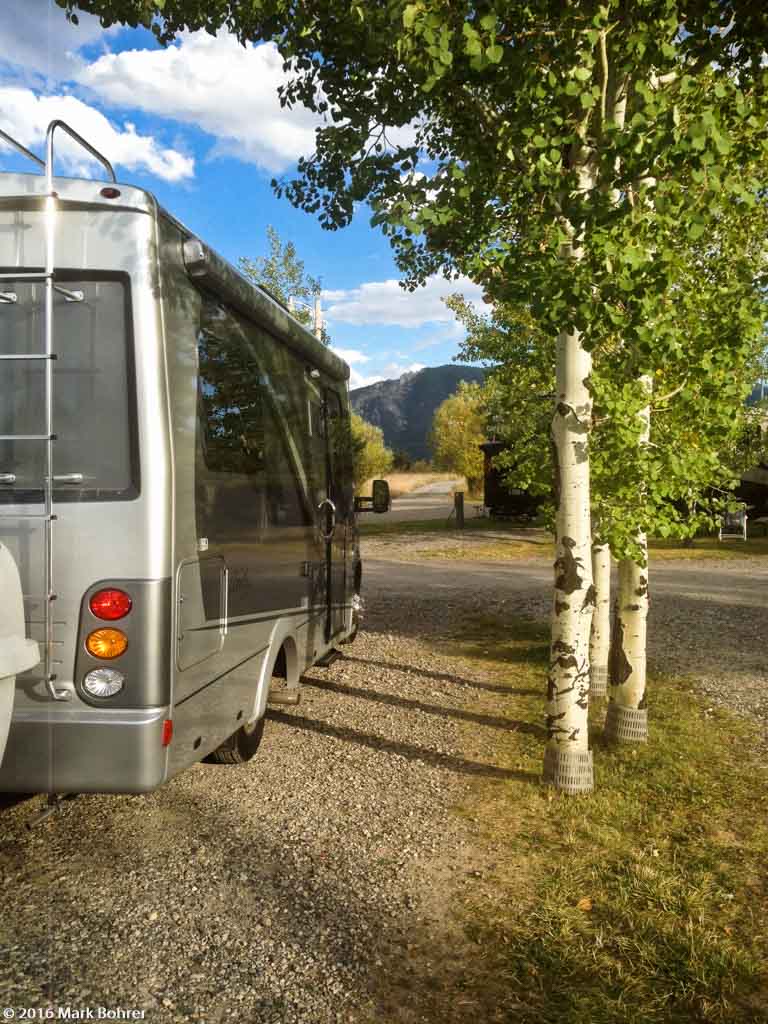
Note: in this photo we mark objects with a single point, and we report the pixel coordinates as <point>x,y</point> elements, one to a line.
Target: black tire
<point>241,745</point>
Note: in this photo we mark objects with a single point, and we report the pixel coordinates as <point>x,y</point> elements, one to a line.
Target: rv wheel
<point>240,747</point>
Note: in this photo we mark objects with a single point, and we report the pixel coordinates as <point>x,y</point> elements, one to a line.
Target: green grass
<point>643,902</point>
<point>472,524</point>
<point>660,550</point>
<point>710,547</point>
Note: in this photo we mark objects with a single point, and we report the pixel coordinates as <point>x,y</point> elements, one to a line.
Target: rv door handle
<point>68,478</point>
<point>327,503</point>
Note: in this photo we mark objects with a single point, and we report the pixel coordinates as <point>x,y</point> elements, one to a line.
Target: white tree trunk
<point>600,638</point>
<point>627,717</point>
<point>567,758</point>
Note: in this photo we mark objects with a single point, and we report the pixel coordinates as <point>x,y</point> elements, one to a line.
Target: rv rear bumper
<point>78,751</point>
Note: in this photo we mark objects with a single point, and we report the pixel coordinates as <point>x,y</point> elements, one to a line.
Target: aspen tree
<point>600,636</point>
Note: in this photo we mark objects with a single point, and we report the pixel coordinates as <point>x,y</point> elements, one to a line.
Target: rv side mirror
<point>377,502</point>
<point>380,496</point>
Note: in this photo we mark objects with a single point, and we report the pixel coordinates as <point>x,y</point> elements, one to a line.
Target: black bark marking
<point>554,730</point>
<point>556,488</point>
<point>560,647</point>
<point>633,608</point>
<point>590,598</point>
<point>561,606</point>
<point>579,680</point>
<point>563,409</point>
<point>642,589</point>
<point>552,691</point>
<point>619,667</point>
<point>567,568</point>
<point>643,702</point>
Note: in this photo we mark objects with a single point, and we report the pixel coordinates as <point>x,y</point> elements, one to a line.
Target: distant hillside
<point>404,408</point>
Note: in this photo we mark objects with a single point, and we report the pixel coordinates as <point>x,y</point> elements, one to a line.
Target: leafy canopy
<point>370,456</point>
<point>282,273</point>
<point>458,428</point>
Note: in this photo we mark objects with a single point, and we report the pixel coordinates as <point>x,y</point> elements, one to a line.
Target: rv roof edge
<point>205,265</point>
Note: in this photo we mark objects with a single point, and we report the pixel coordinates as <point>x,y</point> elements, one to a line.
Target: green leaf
<point>409,15</point>
<point>495,53</point>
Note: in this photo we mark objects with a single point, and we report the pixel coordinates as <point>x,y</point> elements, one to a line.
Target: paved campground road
<point>737,583</point>
<point>432,501</point>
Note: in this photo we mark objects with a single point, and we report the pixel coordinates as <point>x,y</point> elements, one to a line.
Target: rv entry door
<point>335,512</point>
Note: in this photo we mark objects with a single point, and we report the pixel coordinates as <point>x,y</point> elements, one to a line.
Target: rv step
<point>328,658</point>
<point>290,695</point>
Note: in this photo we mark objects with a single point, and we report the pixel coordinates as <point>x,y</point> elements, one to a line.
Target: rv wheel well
<point>286,663</point>
<point>280,667</point>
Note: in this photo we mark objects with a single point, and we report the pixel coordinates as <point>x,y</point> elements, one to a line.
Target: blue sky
<point>199,124</point>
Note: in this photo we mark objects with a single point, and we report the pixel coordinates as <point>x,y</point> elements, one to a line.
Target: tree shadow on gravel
<point>495,721</point>
<point>409,751</point>
<point>444,677</point>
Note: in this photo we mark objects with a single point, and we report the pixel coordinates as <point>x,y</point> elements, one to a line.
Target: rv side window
<point>250,472</point>
<point>232,435</point>
<point>93,390</point>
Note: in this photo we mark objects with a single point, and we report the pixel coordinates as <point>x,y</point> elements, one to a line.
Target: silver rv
<point>175,488</point>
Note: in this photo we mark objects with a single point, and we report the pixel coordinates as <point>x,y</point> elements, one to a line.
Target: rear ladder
<point>48,356</point>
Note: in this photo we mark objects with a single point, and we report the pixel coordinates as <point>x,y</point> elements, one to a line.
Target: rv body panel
<point>105,529</point>
<point>210,516</point>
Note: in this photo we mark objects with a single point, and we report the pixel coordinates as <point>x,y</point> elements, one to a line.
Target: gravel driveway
<point>286,890</point>
<point>305,886</point>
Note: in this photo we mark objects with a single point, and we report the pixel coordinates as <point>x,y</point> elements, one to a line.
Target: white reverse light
<point>103,682</point>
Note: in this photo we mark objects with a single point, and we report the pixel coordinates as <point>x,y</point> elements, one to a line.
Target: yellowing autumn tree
<point>458,428</point>
<point>370,456</point>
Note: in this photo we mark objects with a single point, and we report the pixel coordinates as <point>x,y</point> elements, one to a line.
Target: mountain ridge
<point>404,407</point>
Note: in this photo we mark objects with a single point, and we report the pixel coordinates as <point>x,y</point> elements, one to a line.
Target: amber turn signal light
<point>106,643</point>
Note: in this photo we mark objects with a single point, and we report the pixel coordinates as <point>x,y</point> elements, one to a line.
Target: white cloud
<point>350,355</point>
<point>385,302</point>
<point>227,90</point>
<point>35,35</point>
<point>26,116</point>
<point>360,380</point>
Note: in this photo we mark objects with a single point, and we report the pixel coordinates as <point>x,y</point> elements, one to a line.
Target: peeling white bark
<point>628,657</point>
<point>568,683</point>
<point>567,758</point>
<point>600,638</point>
<point>626,719</point>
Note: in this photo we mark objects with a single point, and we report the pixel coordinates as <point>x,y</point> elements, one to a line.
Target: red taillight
<point>167,731</point>
<point>110,604</point>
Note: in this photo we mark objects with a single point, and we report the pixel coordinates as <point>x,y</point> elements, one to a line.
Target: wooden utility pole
<point>318,319</point>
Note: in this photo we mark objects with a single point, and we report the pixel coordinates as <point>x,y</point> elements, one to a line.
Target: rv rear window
<point>93,415</point>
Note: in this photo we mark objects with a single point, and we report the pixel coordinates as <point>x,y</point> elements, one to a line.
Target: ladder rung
<point>41,276</point>
<point>28,355</point>
<point>18,517</point>
<point>27,437</point>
